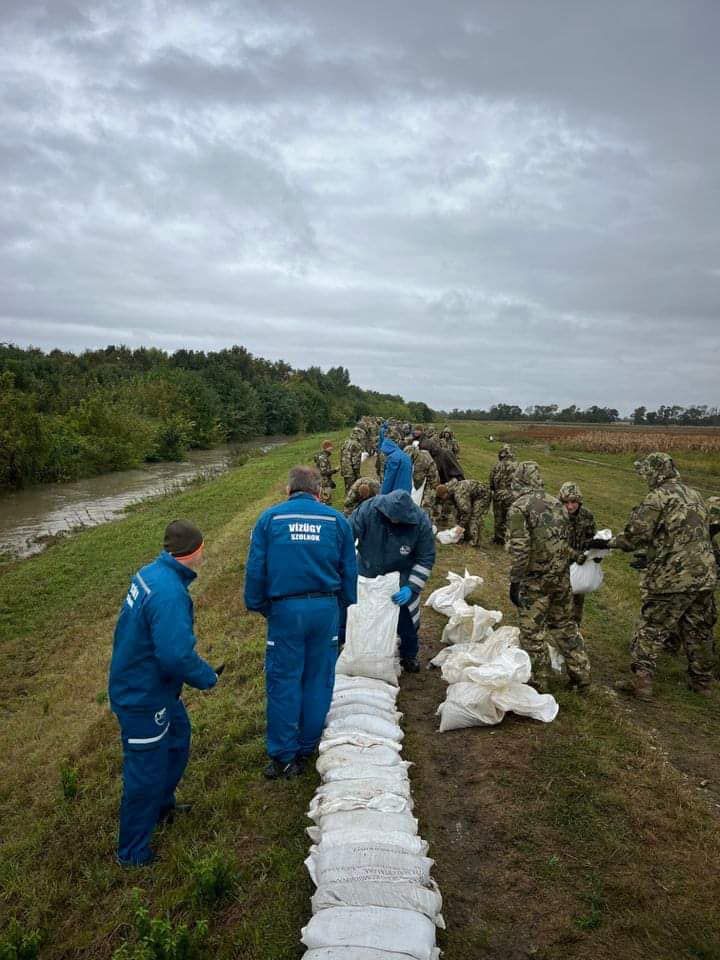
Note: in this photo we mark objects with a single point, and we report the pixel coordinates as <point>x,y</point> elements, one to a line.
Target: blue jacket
<point>394,534</point>
<point>154,645</point>
<point>300,546</point>
<point>398,468</point>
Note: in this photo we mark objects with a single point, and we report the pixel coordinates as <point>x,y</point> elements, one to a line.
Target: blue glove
<point>402,597</point>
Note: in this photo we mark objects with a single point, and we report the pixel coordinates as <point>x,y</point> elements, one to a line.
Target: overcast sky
<point>463,202</point>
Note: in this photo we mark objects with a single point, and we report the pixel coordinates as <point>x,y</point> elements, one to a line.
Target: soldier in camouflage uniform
<point>463,503</point>
<point>582,530</point>
<point>362,489</point>
<point>501,477</point>
<point>351,457</point>
<point>448,441</point>
<point>672,527</point>
<point>424,471</point>
<point>323,462</point>
<point>540,578</point>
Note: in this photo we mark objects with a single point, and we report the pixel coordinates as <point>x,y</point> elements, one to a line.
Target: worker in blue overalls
<point>153,656</point>
<point>300,566</point>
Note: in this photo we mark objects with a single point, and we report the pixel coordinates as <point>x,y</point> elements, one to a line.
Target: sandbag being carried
<point>371,637</point>
<point>453,535</point>
<point>451,598</point>
<point>406,933</point>
<point>588,577</point>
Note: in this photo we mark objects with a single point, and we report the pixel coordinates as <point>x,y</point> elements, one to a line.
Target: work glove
<point>596,544</point>
<point>580,559</point>
<point>219,670</point>
<point>639,561</point>
<point>402,597</point>
<point>515,593</point>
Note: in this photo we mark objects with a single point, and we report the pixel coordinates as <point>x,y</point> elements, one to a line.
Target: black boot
<point>168,814</point>
<point>410,664</point>
<point>276,770</point>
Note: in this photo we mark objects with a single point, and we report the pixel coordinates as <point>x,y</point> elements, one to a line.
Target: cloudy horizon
<point>465,204</point>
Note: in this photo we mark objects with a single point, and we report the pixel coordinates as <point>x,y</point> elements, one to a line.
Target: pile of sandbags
<point>374,898</point>
<point>485,668</point>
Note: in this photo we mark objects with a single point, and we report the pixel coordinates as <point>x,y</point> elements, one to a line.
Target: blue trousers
<point>299,673</point>
<point>408,624</point>
<point>156,747</point>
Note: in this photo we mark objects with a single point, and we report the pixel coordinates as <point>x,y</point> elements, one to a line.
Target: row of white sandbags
<point>486,670</point>
<point>375,898</point>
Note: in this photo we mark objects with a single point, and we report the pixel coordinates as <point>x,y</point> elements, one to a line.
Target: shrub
<point>155,939</point>
<point>214,877</point>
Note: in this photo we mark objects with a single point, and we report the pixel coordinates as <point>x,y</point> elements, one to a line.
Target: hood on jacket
<point>397,506</point>
<point>357,433</point>
<point>570,491</point>
<point>506,452</point>
<point>526,478</point>
<point>656,468</point>
<point>388,446</point>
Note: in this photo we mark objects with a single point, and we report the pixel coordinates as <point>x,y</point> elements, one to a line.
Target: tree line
<point>700,416</point>
<point>64,415</point>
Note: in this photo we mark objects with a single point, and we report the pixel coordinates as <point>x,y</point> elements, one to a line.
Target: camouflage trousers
<point>349,480</point>
<point>578,604</point>
<point>546,614</point>
<point>474,529</point>
<point>691,616</point>
<point>500,512</point>
<point>325,495</point>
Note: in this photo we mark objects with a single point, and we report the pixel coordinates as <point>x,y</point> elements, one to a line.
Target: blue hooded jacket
<point>154,645</point>
<point>398,468</point>
<point>394,534</point>
<point>297,547</point>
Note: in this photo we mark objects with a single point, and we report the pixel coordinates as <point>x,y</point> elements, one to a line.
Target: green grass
<point>606,845</point>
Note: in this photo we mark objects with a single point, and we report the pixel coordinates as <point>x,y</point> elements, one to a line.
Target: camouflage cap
<point>570,491</point>
<point>527,477</point>
<point>656,468</point>
<point>506,452</point>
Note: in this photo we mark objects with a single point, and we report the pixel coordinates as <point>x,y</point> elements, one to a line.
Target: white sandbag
<point>366,863</point>
<point>397,839</point>
<point>371,638</point>
<point>450,599</point>
<point>508,636</point>
<point>401,895</point>
<point>344,755</point>
<point>375,698</point>
<point>448,652</point>
<point>369,820</point>
<point>468,705</point>
<point>453,535</point>
<point>512,666</point>
<point>557,660</point>
<point>525,700</point>
<point>357,739</point>
<point>388,931</point>
<point>343,710</point>
<point>373,786</point>
<point>357,953</point>
<point>588,577</point>
<point>471,626</point>
<point>354,771</point>
<point>343,683</point>
<point>365,723</point>
<point>322,806</point>
<point>417,494</point>
<point>364,456</point>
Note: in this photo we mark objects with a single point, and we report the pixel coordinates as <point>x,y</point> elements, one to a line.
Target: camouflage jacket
<point>451,444</point>
<point>538,541</point>
<point>424,468</point>
<point>323,462</point>
<point>501,477</point>
<point>672,527</point>
<point>351,457</point>
<point>581,528</point>
<point>352,500</point>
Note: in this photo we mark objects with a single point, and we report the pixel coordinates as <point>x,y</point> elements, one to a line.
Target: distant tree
<point>638,415</point>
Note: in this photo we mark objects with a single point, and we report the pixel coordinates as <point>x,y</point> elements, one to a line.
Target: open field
<point>596,836</point>
<point>618,438</point>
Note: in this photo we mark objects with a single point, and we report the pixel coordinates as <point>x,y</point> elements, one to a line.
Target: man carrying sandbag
<point>582,529</point>
<point>301,565</point>
<point>395,534</point>
<point>540,578</point>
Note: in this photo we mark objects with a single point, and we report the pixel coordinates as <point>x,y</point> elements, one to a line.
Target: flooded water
<point>28,518</point>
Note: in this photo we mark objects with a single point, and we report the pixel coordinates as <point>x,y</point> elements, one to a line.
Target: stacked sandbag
<point>371,634</point>
<point>374,898</point>
<point>485,668</point>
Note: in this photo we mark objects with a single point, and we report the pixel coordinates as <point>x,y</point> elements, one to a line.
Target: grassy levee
<point>237,859</point>
<point>588,838</point>
<point>595,836</point>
